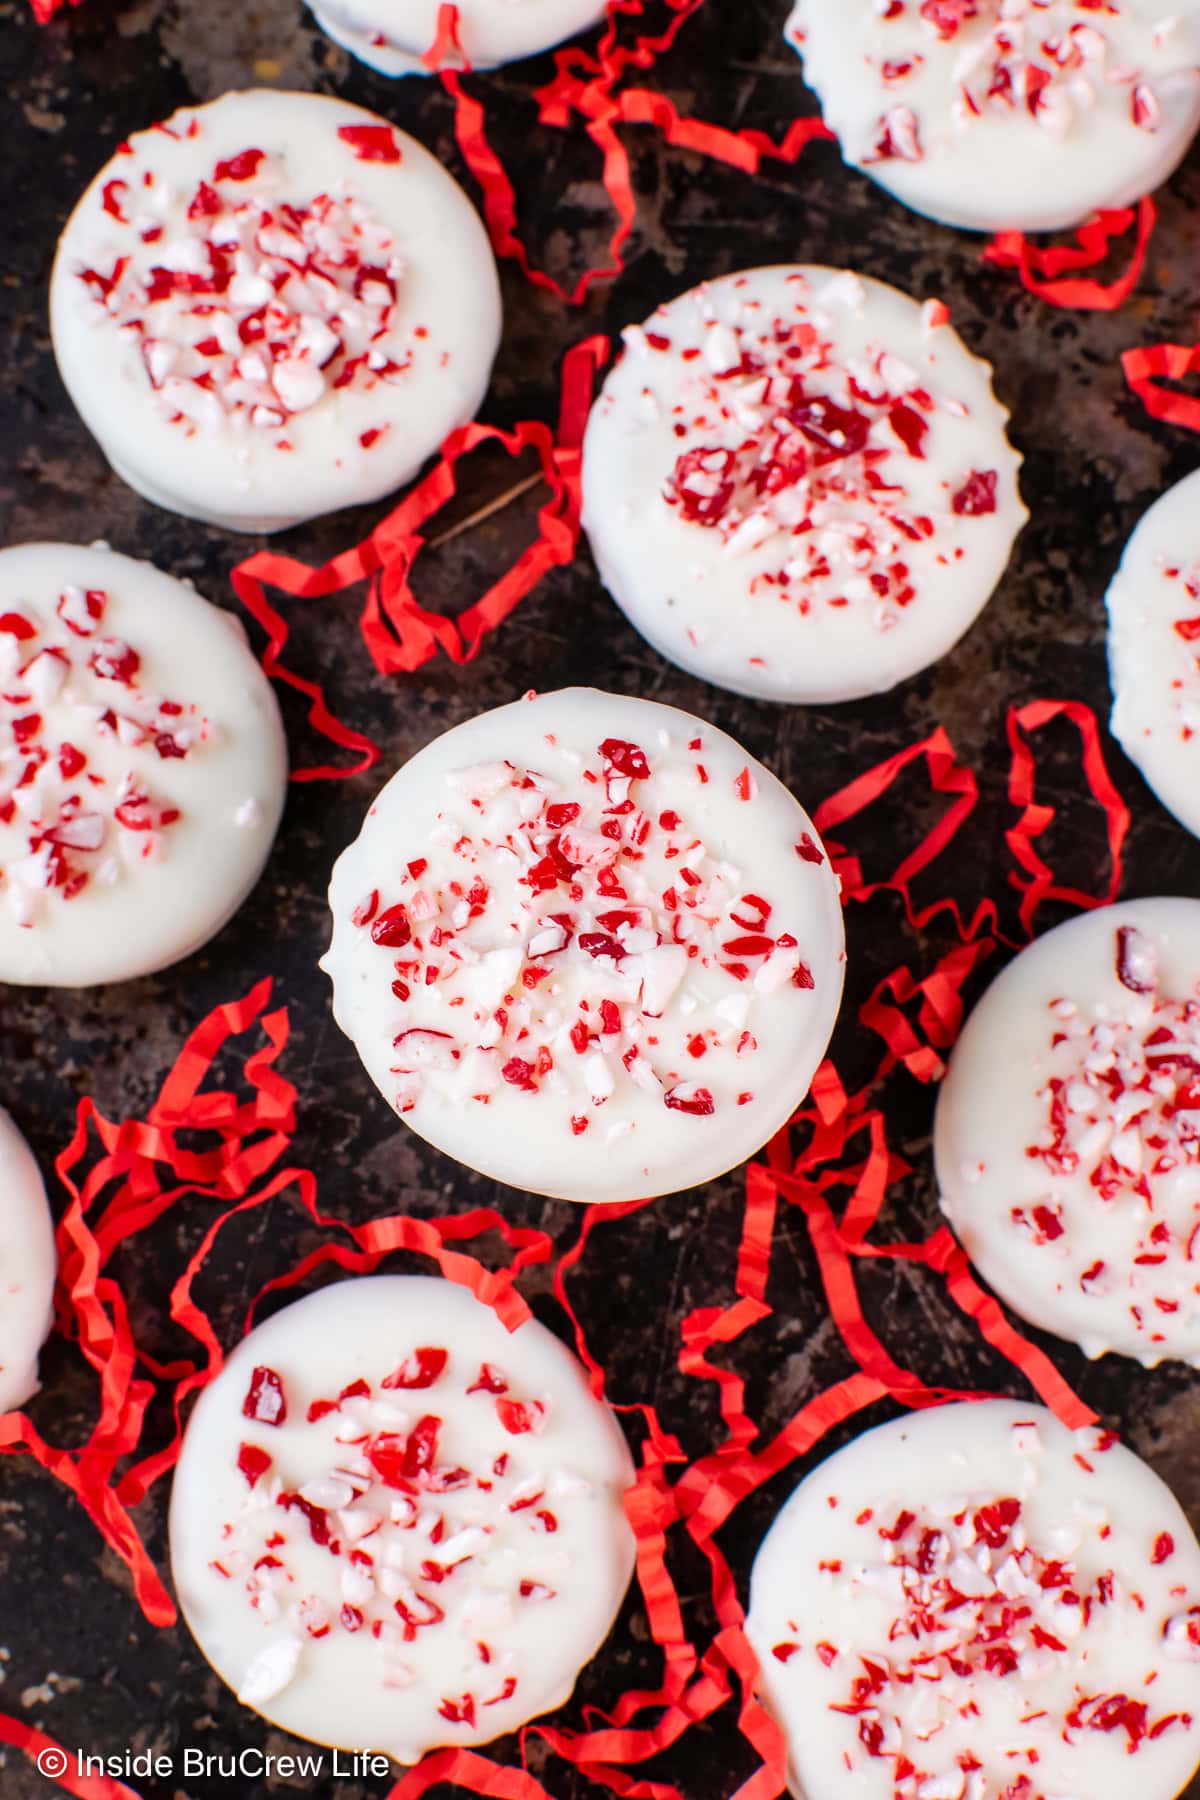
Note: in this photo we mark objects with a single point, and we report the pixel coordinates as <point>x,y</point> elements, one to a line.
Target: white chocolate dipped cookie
<point>797,484</point>
<point>143,767</point>
<point>999,115</point>
<point>1154,650</point>
<point>1067,1136</point>
<point>974,1603</point>
<point>394,38</point>
<point>588,946</point>
<point>28,1265</point>
<point>271,307</point>
<point>395,1525</point>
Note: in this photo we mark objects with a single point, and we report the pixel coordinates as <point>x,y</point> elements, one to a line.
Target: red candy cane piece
<point>371,143</point>
<point>265,1401</point>
<point>420,1370</point>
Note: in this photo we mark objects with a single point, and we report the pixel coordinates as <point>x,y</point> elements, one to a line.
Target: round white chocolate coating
<point>551,1522</point>
<point>153,892</point>
<point>490,31</point>
<point>262,468</point>
<point>1154,664</point>
<point>1067,1135</point>
<point>693,1040</point>
<point>28,1264</point>
<point>817,1630</point>
<point>827,586</point>
<point>1027,117</point>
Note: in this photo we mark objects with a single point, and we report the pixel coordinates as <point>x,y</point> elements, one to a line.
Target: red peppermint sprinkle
<point>977,496</point>
<point>265,1402</point>
<point>420,1370</point>
<point>392,928</point>
<point>253,1462</point>
<point>625,758</point>
<point>521,1416</point>
<point>114,660</point>
<point>1136,960</point>
<point>488,1381</point>
<point>242,167</point>
<point>688,1099</point>
<point>371,143</point>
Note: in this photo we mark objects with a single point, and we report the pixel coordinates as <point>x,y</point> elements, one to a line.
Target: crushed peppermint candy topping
<point>807,458</point>
<point>981,1599</point>
<point>69,816</point>
<point>1048,60</point>
<point>414,1543</point>
<point>1122,1112</point>
<point>248,307</point>
<point>576,938</point>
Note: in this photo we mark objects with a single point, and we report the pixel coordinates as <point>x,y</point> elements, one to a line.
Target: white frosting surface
<point>1006,114</point>
<point>429,1561</point>
<point>975,1603</point>
<point>28,1264</point>
<point>394,38</point>
<point>797,484</point>
<point>1154,649</point>
<point>143,767</point>
<point>1067,1136</point>
<point>271,307</point>
<point>587,945</point>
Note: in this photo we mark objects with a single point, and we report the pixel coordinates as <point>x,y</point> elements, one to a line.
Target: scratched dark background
<point>76,1656</point>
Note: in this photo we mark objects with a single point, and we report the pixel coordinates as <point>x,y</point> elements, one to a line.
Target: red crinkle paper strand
<point>58,1765</point>
<point>587,85</point>
<point>1055,275</point>
<point>1146,370</point>
<point>44,10</point>
<point>399,632</point>
<point>833,1164</point>
<point>838,1146</point>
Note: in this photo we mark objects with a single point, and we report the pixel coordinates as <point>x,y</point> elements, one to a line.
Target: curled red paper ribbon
<point>946,775</point>
<point>44,10</point>
<point>399,633</point>
<point>1147,368</point>
<point>1053,273</point>
<point>689,1689</point>
<point>590,86</point>
<point>467,1769</point>
<point>1036,879</point>
<point>58,1765</point>
<point>746,148</point>
<point>581,77</point>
